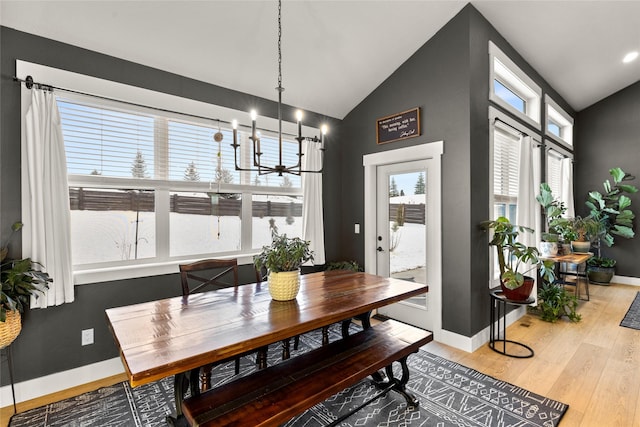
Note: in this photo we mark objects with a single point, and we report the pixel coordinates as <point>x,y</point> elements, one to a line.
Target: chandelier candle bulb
<point>323,131</point>
<point>299,118</point>
<point>254,116</point>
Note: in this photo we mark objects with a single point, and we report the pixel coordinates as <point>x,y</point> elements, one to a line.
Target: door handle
<point>379,249</point>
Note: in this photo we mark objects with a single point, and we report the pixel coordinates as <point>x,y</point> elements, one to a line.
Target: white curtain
<point>527,204</point>
<point>312,219</point>
<point>526,212</point>
<point>47,214</point>
<point>566,186</point>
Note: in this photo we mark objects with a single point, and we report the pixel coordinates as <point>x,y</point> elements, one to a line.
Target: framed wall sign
<point>398,126</point>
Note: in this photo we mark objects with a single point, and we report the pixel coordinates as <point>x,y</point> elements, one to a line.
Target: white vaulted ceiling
<point>336,52</point>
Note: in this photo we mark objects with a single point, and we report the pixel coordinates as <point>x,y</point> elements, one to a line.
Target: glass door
<point>402,235</point>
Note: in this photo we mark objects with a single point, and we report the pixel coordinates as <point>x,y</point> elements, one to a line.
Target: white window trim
<point>136,95</point>
<point>510,75</point>
<point>553,112</point>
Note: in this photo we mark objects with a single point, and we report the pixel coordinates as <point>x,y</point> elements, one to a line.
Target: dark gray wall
<point>50,339</point>
<point>608,136</point>
<point>448,78</point>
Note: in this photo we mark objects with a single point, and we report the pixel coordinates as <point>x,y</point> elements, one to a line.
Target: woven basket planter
<point>284,286</point>
<point>10,328</point>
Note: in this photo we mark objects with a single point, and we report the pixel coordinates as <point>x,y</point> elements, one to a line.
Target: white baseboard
<point>471,344</point>
<point>59,381</point>
<point>625,280</point>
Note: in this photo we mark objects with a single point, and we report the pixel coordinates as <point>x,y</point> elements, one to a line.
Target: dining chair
<point>207,275</point>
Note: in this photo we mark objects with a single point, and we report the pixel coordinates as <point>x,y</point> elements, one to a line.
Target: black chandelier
<point>279,168</point>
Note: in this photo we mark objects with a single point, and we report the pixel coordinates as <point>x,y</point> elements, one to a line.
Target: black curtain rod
<point>496,119</point>
<point>29,83</point>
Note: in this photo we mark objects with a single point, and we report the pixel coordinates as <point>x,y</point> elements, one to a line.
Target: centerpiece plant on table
<point>516,259</point>
<point>283,259</point>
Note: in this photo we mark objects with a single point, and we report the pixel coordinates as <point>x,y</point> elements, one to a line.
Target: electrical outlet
<point>356,228</point>
<point>87,336</point>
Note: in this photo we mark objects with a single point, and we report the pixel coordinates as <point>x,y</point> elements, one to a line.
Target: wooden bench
<point>274,395</point>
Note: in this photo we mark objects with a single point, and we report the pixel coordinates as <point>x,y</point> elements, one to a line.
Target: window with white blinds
<point>554,172</point>
<point>148,186</point>
<point>100,141</point>
<point>506,155</point>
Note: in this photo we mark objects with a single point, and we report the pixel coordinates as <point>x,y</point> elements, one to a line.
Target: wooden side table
<point>577,259</point>
<point>498,323</point>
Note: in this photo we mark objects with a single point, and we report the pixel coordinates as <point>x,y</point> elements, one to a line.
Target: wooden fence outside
<point>412,213</point>
<point>143,201</point>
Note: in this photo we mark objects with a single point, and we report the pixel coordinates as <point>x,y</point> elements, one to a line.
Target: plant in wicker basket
<point>19,280</point>
<point>283,259</point>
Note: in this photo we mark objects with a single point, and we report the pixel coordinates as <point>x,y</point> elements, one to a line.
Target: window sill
<point>99,275</point>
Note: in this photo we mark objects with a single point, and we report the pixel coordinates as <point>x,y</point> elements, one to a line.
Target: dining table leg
<point>180,386</point>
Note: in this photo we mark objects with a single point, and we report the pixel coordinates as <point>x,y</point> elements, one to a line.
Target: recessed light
<point>630,57</point>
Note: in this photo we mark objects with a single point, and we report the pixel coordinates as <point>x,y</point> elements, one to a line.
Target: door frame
<point>433,153</point>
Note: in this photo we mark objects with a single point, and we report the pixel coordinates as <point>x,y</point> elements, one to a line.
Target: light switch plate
<point>87,336</point>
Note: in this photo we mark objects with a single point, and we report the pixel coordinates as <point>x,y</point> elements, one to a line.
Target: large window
<point>148,187</point>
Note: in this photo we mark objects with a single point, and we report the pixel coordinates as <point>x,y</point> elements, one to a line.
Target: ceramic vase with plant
<point>283,259</point>
<point>19,280</point>
<point>556,223</point>
<point>583,231</point>
<point>612,210</point>
<point>515,259</point>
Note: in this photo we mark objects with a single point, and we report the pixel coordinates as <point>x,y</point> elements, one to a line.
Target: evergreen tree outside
<point>393,188</point>
<point>420,187</point>
<point>191,172</point>
<point>139,167</point>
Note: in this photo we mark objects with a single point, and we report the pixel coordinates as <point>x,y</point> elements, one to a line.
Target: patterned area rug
<point>632,318</point>
<point>450,395</point>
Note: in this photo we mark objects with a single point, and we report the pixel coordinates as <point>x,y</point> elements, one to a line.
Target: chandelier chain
<point>279,45</point>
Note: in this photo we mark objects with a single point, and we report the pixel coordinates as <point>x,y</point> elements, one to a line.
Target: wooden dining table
<point>171,336</point>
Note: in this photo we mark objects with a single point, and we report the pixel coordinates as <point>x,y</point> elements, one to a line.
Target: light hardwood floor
<point>593,366</point>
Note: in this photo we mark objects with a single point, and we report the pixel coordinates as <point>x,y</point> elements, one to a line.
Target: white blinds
<point>131,144</point>
<point>506,162</point>
<point>554,176</point>
<point>106,142</point>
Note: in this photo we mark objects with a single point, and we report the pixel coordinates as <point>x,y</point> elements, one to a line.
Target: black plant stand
<point>7,351</point>
<point>498,315</point>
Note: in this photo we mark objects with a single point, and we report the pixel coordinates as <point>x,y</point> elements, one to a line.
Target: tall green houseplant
<point>612,207</point>
<point>612,210</point>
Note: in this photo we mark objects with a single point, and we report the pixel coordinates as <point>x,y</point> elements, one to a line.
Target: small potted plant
<point>553,211</point>
<point>19,280</point>
<point>584,229</point>
<point>283,259</point>
<point>514,256</point>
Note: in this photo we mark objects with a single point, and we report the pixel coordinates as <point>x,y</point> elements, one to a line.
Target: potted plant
<point>600,269</point>
<point>611,209</point>
<point>514,256</point>
<point>19,279</point>
<point>558,227</point>
<point>583,230</point>
<point>283,259</point>
<point>554,302</point>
